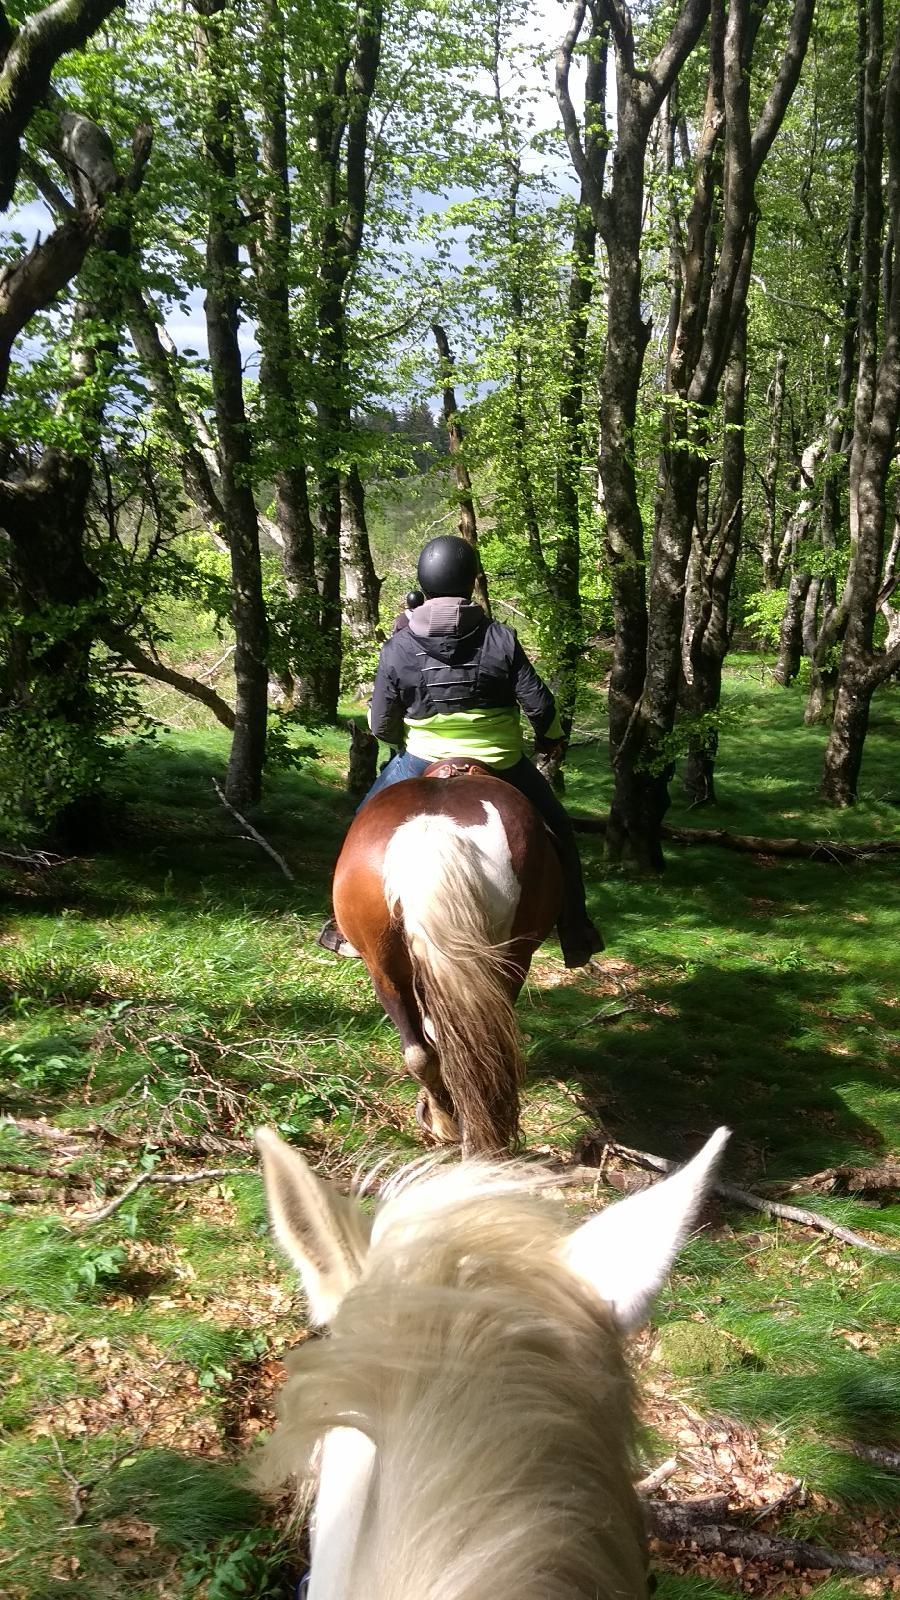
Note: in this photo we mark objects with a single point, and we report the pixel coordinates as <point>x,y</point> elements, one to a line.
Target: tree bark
<point>341,132</point>
<point>362,585</point>
<point>468,526</point>
<point>647,657</point>
<point>717,559</point>
<point>770,547</point>
<point>875,431</point>
<point>243,782</point>
<point>792,643</point>
<point>27,58</point>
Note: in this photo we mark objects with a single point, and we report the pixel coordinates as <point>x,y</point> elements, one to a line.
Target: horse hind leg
<point>435,1112</point>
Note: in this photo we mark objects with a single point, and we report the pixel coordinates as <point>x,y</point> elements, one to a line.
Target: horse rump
<point>455,897</point>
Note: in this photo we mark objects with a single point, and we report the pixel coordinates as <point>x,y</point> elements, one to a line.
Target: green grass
<point>169,989</point>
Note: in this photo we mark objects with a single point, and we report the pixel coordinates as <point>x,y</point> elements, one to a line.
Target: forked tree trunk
<point>875,433</point>
<point>243,781</point>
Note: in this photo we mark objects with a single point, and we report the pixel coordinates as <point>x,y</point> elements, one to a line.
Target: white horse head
<point>470,1416</point>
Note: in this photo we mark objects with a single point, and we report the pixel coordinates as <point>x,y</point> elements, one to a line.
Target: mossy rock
<point>694,1349</point>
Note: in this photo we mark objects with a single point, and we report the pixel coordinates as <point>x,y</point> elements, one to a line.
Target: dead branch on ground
<point>728,1191</point>
<point>690,1523</point>
<point>207,1175</point>
<point>833,850</point>
<point>253,834</point>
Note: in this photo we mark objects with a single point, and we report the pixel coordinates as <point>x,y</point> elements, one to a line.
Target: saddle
<point>458,767</point>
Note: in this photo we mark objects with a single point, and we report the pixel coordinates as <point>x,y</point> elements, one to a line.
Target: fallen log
<point>833,850</point>
<point>681,1524</point>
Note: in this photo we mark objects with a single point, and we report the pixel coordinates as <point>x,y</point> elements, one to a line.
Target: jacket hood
<point>446,626</point>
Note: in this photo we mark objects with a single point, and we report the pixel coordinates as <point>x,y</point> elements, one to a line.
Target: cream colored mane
<point>487,1372</point>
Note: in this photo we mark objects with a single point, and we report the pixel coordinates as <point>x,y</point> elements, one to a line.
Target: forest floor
<point>162,997</point>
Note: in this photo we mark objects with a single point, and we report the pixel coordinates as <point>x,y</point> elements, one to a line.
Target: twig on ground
<point>680,1524</point>
<point>22,1170</point>
<point>254,835</point>
<point>834,850</point>
<point>889,1460</point>
<point>77,1490</point>
<point>655,1479</point>
<point>599,1016</point>
<point>741,1197</point>
<point>36,860</point>
<point>207,1175</point>
<point>771,1506</point>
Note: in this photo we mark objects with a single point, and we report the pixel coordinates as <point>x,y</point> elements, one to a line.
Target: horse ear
<point>325,1234</point>
<point>626,1252</point>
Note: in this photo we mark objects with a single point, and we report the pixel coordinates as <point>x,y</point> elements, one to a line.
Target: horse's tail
<point>456,911</point>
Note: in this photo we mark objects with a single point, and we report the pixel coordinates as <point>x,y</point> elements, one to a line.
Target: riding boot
<point>331,938</point>
<point>579,937</point>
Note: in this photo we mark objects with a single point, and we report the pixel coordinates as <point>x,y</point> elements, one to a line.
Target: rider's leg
<point>578,936</point>
<point>399,767</point>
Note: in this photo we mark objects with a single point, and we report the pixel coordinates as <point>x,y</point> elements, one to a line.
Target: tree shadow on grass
<point>722,1046</point>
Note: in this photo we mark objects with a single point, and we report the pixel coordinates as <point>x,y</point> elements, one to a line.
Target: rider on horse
<point>449,686</point>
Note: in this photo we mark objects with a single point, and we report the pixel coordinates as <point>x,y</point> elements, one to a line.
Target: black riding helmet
<point>447,566</point>
<point>414,600</point>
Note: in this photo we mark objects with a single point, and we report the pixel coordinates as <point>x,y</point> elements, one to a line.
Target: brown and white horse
<point>446,886</point>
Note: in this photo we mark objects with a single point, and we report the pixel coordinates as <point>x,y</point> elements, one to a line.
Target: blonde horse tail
<point>456,910</point>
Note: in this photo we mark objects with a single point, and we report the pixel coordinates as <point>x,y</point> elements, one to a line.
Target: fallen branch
<point>199,1146</point>
<point>202,676</point>
<point>741,1197</point>
<point>36,860</point>
<point>208,1175</point>
<point>753,844</point>
<point>655,1479</point>
<point>680,1524</point>
<point>849,1180</point>
<point>257,837</point>
<point>888,1460</point>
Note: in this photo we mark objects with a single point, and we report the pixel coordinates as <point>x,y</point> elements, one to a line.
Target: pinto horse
<point>466,1431</point>
<point>446,885</point>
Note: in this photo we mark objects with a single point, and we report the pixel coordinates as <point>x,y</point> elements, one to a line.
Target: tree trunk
<point>770,551</point>
<point>341,124</point>
<point>793,638</point>
<point>243,782</point>
<point>362,586</point>
<point>468,526</point>
<point>281,402</point>
<point>875,432</point>
<point>711,635</point>
<point>647,653</point>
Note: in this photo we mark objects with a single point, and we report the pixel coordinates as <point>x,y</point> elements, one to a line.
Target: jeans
<point>573,917</point>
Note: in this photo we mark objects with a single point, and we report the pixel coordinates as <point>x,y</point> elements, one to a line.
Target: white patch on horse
<point>345,1477</point>
<point>503,885</point>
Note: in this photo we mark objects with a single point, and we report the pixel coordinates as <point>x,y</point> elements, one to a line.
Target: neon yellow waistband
<point>491,736</point>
